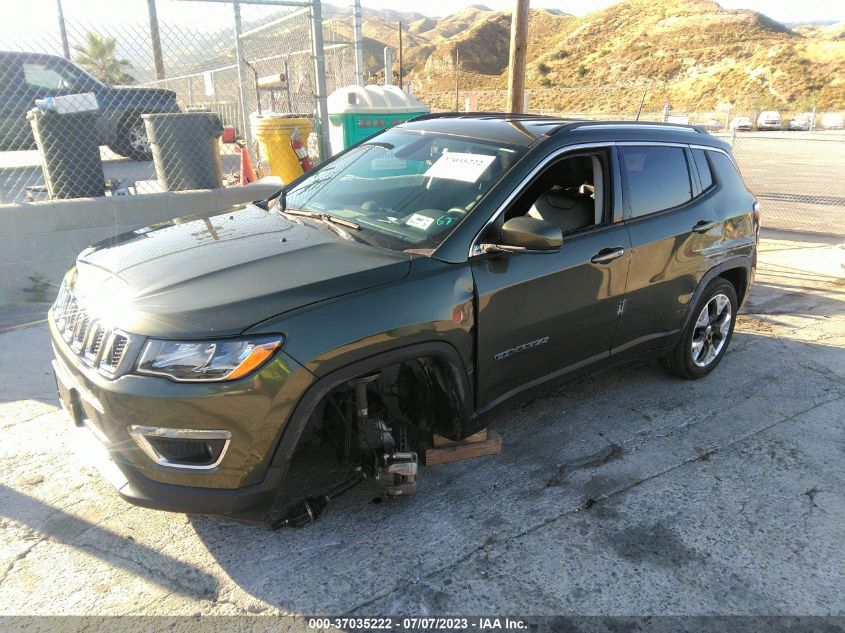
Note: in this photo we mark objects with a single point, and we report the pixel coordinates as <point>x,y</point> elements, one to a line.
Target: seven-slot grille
<point>95,343</point>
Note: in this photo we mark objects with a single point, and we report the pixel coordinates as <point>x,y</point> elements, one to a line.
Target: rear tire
<point>707,334</point>
<point>132,140</point>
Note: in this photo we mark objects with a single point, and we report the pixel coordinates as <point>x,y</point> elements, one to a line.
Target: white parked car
<point>801,122</point>
<point>741,123</point>
<point>833,121</point>
<point>769,120</point>
<point>712,124</point>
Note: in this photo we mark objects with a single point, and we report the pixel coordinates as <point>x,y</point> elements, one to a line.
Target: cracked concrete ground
<point>627,493</point>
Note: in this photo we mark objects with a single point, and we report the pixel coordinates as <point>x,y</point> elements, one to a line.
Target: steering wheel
<point>456,211</point>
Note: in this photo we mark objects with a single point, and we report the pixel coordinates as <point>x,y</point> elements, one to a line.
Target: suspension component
<point>399,473</point>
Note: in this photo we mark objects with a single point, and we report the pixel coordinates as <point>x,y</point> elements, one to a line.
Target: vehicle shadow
<point>573,447</point>
<point>48,521</point>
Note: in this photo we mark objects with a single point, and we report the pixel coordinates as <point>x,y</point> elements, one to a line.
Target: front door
<point>547,315</point>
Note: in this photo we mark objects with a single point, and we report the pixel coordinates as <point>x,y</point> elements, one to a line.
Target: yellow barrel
<point>274,133</point>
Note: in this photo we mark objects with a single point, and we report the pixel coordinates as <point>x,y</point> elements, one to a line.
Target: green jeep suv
<point>237,363</point>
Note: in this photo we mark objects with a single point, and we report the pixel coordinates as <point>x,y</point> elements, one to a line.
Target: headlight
<point>188,361</point>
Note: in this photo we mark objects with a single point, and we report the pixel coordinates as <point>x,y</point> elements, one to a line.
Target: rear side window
<point>703,166</point>
<point>726,170</point>
<point>656,178</point>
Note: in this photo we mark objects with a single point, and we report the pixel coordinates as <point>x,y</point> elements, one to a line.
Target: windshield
<point>406,190</point>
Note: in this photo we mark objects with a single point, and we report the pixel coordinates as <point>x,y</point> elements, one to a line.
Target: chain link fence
<point>798,178</point>
<point>163,56</point>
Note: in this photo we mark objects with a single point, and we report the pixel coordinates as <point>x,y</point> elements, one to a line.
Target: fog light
<point>182,448</point>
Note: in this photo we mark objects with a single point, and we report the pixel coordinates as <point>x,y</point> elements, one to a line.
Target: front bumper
<point>254,410</point>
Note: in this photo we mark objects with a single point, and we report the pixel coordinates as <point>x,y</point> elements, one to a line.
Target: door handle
<point>702,226</point>
<point>606,255</point>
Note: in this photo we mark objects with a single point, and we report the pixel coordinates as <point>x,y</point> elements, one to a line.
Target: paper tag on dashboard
<point>460,166</point>
<point>419,221</point>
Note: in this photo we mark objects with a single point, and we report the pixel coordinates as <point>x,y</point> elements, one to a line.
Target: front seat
<point>568,209</point>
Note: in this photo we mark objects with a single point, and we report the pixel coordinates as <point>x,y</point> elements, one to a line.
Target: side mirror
<point>525,234</point>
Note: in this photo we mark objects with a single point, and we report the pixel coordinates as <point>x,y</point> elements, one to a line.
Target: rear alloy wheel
<point>711,330</point>
<point>706,336</point>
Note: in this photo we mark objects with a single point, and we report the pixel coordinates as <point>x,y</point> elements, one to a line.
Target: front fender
<point>433,303</point>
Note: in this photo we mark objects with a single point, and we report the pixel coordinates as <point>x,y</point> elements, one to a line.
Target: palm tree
<point>97,55</point>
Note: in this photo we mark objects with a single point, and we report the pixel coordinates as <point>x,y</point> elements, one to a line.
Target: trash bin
<point>356,112</point>
<point>276,135</point>
<point>185,149</point>
<point>70,152</point>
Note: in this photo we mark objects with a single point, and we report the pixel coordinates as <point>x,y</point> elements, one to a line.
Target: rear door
<point>675,237</point>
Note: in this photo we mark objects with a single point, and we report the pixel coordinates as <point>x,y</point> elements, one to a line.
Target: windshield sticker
<point>460,166</point>
<point>420,221</point>
<point>388,164</point>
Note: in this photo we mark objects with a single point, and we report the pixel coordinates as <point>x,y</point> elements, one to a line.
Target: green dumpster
<point>358,112</point>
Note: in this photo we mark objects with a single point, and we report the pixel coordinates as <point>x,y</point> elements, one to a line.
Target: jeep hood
<point>218,275</point>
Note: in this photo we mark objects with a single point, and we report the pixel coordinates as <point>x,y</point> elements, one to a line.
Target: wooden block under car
<point>444,451</point>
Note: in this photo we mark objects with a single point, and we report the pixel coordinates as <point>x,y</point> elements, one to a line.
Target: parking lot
<point>627,493</point>
<point>798,178</point>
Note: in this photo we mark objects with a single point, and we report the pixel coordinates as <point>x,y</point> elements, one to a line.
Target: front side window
<point>569,193</point>
<point>405,189</point>
<point>656,178</point>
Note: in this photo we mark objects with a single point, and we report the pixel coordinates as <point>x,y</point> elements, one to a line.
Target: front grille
<point>113,353</point>
<point>96,344</point>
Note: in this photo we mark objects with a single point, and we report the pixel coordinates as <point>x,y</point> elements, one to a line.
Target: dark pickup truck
<point>234,363</point>
<point>25,77</point>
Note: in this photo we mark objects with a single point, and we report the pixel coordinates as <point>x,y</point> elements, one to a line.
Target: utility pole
<point>457,77</point>
<point>518,53</point>
<point>401,85</point>
<point>359,45</point>
<point>155,39</point>
<point>62,29</point>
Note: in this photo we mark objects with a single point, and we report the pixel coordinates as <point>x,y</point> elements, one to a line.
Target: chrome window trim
<point>473,247</point>
<point>709,148</point>
<point>140,433</point>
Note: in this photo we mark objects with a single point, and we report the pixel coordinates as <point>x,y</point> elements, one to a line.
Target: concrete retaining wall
<point>42,239</point>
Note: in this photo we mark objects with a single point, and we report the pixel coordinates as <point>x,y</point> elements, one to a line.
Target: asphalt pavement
<point>628,493</point>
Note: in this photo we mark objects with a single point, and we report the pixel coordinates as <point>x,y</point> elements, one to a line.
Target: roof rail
<point>657,124</point>
<point>565,123</point>
<point>487,115</point>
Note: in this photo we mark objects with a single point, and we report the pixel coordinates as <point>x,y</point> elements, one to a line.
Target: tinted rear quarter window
<point>703,166</point>
<point>726,171</point>
<point>656,178</point>
<point>730,181</point>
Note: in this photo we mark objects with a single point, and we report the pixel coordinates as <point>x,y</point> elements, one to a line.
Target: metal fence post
<point>318,53</point>
<point>242,77</point>
<point>359,45</point>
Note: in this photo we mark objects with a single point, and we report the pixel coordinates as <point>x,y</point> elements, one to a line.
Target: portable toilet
<point>357,112</point>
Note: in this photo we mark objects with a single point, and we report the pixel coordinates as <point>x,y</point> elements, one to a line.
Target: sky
<point>28,17</point>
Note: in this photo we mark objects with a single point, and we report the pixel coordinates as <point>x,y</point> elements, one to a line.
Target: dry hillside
<point>691,53</point>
